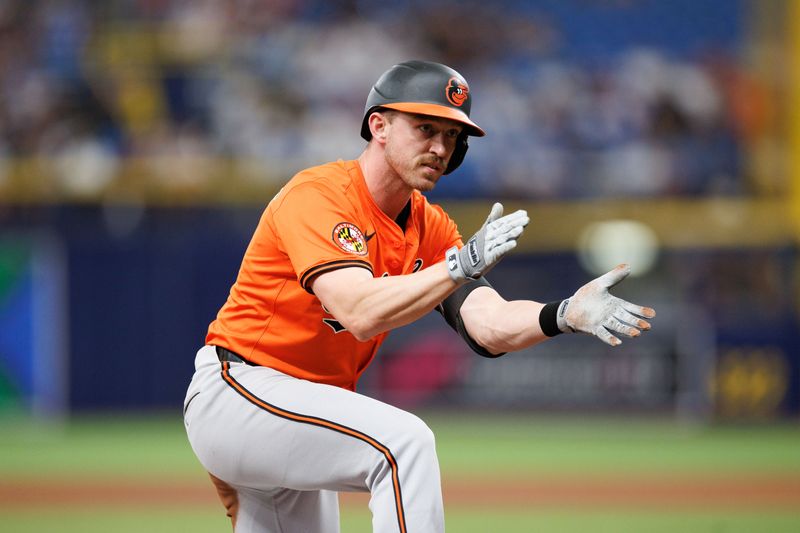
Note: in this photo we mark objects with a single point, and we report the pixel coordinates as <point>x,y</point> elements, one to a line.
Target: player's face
<point>419,147</point>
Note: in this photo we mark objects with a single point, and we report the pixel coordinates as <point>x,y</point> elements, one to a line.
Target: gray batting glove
<point>496,238</point>
<point>592,309</point>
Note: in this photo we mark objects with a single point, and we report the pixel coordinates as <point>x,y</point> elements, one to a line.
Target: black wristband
<point>547,319</point>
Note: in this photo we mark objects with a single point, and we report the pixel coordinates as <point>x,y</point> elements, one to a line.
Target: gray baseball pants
<point>284,447</point>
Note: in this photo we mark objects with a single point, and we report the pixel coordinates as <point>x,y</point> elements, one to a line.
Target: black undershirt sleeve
<point>450,309</point>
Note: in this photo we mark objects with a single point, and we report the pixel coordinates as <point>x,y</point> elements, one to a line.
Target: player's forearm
<point>367,306</point>
<point>394,301</point>
<point>503,326</point>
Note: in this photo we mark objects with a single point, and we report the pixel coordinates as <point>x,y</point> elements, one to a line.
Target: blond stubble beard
<point>407,171</point>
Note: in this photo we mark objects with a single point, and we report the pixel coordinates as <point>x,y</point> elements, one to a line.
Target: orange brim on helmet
<point>436,110</point>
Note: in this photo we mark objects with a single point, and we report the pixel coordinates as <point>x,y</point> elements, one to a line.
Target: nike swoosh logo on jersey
<point>371,235</point>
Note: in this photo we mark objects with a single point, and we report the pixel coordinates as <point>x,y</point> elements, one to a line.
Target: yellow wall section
<point>793,111</point>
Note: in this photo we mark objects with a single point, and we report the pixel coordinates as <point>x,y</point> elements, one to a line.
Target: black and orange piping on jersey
<point>326,424</point>
<point>327,267</point>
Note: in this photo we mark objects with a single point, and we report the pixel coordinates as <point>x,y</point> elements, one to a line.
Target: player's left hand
<point>496,238</point>
<point>592,309</point>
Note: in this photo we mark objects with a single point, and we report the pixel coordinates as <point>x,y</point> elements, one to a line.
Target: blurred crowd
<point>268,87</point>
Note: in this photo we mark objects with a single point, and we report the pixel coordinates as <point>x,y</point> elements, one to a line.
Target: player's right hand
<point>592,309</point>
<point>495,239</point>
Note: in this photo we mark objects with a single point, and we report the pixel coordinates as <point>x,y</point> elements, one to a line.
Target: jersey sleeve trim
<point>327,267</point>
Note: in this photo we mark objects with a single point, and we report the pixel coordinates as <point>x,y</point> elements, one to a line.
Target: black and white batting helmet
<point>425,88</point>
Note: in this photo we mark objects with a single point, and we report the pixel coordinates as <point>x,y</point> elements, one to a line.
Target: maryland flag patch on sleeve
<point>349,238</point>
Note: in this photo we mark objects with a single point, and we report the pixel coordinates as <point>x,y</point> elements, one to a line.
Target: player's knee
<point>425,436</point>
<point>411,448</point>
<point>417,434</point>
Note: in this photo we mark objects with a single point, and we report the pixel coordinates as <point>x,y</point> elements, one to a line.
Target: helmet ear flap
<point>366,134</point>
<point>458,154</point>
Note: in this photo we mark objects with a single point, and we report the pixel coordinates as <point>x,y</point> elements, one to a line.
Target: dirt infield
<point>751,493</point>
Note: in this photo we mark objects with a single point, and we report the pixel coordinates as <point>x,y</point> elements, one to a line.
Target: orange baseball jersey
<point>323,219</point>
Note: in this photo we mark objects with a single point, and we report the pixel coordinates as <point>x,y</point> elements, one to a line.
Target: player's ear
<point>378,124</point>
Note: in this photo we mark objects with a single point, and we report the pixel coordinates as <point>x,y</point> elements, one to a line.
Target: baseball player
<point>344,253</point>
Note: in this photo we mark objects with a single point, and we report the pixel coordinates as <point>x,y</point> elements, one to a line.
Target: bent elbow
<point>494,344</point>
<point>361,335</point>
<point>492,353</point>
<point>361,328</point>
<point>492,350</point>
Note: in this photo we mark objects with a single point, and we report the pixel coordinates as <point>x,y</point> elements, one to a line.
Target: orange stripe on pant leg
<point>314,421</point>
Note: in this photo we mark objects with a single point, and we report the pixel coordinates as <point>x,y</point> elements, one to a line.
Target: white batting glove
<point>592,309</point>
<point>496,238</point>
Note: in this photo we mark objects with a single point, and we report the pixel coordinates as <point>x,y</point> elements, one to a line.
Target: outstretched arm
<point>500,325</point>
<point>505,326</point>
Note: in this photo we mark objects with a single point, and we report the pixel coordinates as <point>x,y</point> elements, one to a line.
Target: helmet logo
<point>457,92</point>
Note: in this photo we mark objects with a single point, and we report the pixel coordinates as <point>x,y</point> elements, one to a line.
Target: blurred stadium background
<point>140,140</point>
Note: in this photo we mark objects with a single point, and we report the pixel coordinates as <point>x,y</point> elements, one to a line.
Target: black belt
<point>226,355</point>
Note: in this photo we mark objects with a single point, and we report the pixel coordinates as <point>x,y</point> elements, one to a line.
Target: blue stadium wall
<point>138,305</point>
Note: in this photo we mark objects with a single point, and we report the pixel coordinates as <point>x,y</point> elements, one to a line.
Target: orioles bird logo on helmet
<point>457,92</point>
